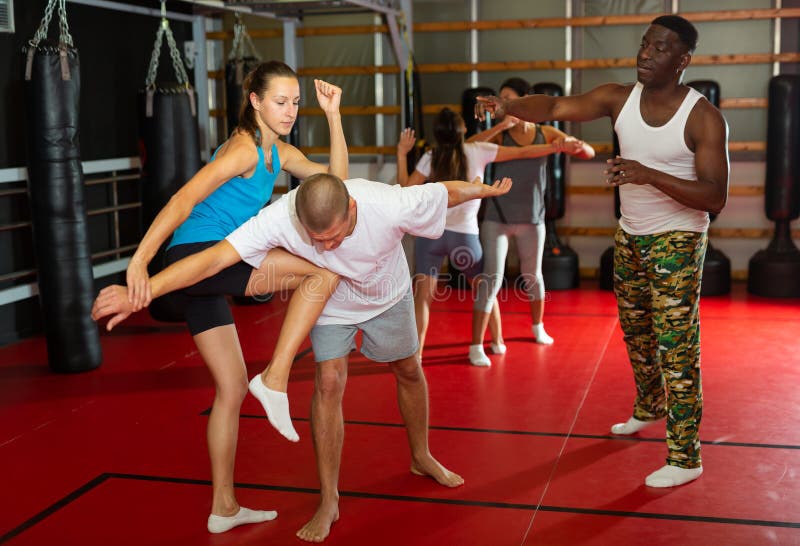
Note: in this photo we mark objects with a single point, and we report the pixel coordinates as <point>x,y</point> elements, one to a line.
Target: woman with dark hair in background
<point>519,214</point>
<point>230,189</point>
<point>453,159</point>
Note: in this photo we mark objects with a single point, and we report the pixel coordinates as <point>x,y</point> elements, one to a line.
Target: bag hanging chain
<point>241,39</point>
<point>64,38</point>
<point>177,63</point>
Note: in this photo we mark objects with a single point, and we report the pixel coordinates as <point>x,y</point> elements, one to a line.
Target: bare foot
<point>319,527</point>
<point>433,468</point>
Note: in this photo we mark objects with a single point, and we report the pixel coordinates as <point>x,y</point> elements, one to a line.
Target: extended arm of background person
<point>566,143</point>
<point>707,133</point>
<point>459,192</point>
<point>240,157</point>
<point>494,134</point>
<point>404,145</point>
<point>601,101</point>
<point>113,300</point>
<point>297,164</point>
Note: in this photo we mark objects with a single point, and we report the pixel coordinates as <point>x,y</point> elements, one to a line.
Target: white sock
<point>276,405</point>
<point>630,426</point>
<point>672,476</point>
<point>477,357</point>
<point>540,335</point>
<point>498,348</point>
<point>220,524</point>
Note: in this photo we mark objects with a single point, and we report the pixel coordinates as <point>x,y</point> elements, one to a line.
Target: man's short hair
<point>685,30</point>
<point>322,199</point>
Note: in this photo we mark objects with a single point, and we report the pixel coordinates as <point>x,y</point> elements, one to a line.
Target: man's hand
<point>112,300</point>
<point>500,187</point>
<point>328,95</point>
<point>626,171</point>
<point>406,142</point>
<point>491,104</point>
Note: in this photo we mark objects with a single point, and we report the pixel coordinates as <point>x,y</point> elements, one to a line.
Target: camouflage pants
<point>657,284</point>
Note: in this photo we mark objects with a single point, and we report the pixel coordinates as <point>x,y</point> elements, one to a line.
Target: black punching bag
<point>170,154</point>
<point>411,94</point>
<point>55,183</point>
<point>775,272</point>
<point>468,99</point>
<point>559,261</point>
<point>607,257</point>
<point>235,72</point>
<point>717,266</point>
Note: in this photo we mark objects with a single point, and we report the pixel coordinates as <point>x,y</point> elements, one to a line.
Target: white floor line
<point>571,428</point>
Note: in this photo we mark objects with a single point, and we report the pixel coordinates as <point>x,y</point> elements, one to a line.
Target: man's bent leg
<point>412,397</point>
<point>327,429</point>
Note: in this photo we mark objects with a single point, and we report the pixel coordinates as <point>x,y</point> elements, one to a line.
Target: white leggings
<point>530,246</point>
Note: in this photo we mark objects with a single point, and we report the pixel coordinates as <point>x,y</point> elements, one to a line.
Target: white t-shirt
<point>464,217</point>
<point>370,261</point>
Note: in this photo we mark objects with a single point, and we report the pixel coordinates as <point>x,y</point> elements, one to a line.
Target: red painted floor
<point>117,456</point>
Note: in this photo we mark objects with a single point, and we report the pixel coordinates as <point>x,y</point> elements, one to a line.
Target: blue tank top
<point>230,205</point>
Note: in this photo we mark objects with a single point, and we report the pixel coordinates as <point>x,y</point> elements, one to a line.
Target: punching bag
<point>170,155</point>
<point>468,100</point>
<point>239,64</point>
<point>606,277</point>
<point>170,151</point>
<point>235,72</point>
<point>717,266</point>
<point>411,93</point>
<point>56,192</point>
<point>775,271</point>
<point>559,261</point>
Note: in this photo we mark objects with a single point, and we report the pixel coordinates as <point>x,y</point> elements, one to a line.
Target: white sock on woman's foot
<point>540,335</point>
<point>672,476</point>
<point>276,405</point>
<point>630,426</point>
<point>498,348</point>
<point>478,357</point>
<point>220,524</point>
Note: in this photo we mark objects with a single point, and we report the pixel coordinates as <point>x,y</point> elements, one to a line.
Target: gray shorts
<point>390,336</point>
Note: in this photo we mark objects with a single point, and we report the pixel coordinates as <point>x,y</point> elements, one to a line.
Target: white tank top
<point>646,210</point>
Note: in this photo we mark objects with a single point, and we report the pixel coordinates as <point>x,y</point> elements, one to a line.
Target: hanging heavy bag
<point>239,64</point>
<point>606,275</point>
<point>559,262</point>
<point>170,152</point>
<point>716,266</point>
<point>55,185</point>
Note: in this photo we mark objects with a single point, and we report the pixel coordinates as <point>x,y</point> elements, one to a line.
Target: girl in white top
<point>453,159</point>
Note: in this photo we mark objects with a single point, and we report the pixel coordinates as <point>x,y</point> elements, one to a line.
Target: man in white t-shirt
<point>353,229</point>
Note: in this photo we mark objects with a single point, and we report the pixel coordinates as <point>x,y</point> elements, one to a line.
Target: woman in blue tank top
<point>230,189</point>
<point>520,215</point>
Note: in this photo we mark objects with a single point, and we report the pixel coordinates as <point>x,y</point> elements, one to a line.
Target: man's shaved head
<point>321,201</point>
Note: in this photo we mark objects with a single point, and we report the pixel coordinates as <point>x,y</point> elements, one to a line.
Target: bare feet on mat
<point>319,527</point>
<point>428,466</point>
